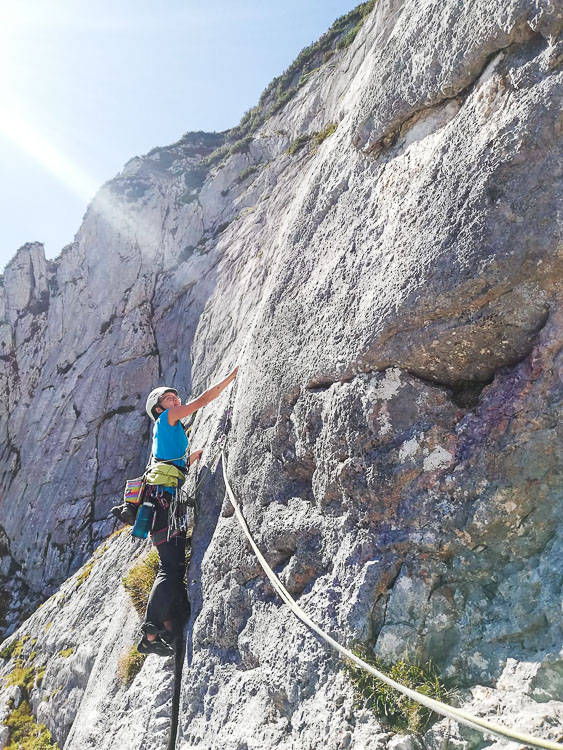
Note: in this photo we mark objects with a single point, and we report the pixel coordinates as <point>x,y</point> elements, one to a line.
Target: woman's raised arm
<point>175,413</point>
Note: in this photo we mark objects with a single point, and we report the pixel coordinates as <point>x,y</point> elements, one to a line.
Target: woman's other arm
<point>195,456</point>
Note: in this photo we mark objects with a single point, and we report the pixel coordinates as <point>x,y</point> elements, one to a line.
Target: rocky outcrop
<point>379,249</point>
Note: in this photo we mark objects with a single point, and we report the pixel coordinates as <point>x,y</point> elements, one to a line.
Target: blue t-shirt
<point>169,442</point>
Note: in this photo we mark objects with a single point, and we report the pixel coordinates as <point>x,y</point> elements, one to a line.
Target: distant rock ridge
<point>378,245</point>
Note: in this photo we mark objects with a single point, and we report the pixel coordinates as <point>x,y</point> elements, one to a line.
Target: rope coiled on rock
<point>474,722</point>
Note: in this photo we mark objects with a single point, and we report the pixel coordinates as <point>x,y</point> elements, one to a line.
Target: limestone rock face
<point>381,254</point>
<point>73,645</point>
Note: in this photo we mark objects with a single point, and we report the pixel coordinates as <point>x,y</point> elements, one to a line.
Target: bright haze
<point>85,86</point>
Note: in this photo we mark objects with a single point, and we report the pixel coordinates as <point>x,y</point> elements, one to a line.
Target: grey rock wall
<point>392,295</point>
<point>74,643</point>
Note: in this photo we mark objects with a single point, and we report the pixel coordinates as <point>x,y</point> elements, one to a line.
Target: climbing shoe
<point>148,628</point>
<point>167,636</point>
<point>126,513</point>
<point>158,647</point>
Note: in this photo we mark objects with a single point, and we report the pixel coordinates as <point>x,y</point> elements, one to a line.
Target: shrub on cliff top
<point>283,87</point>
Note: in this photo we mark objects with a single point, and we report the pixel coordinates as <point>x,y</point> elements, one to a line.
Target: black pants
<point>168,599</point>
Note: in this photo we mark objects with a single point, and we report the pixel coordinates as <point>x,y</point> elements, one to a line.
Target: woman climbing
<point>168,606</point>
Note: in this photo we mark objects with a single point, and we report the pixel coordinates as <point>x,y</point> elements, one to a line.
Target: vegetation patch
<point>14,648</point>
<point>118,532</point>
<point>25,732</point>
<point>311,59</point>
<point>8,650</point>
<point>84,574</point>
<point>248,172</point>
<point>66,652</point>
<point>53,693</point>
<point>390,706</point>
<point>5,600</point>
<point>195,178</point>
<point>217,156</point>
<point>315,138</point>
<point>349,37</point>
<point>221,228</point>
<point>129,665</point>
<point>101,550</point>
<point>23,677</point>
<point>299,143</point>
<point>241,147</point>
<point>139,580</point>
<point>324,134</point>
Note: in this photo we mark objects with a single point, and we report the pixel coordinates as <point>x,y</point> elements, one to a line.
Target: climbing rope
<point>474,722</point>
<point>214,460</point>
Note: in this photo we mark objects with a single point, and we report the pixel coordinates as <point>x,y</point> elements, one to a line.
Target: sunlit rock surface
<point>392,294</point>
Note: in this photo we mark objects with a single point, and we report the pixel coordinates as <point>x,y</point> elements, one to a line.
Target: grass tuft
<point>390,706</point>
<point>324,134</point>
<point>129,665</point>
<point>14,648</point>
<point>299,143</point>
<point>247,173</point>
<point>84,574</point>
<point>139,580</point>
<point>25,732</point>
<point>315,138</point>
<point>8,650</point>
<point>22,677</point>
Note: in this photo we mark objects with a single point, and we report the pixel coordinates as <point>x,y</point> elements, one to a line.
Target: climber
<point>168,606</point>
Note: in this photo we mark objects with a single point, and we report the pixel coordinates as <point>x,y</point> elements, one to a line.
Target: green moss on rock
<point>25,732</point>
<point>84,574</point>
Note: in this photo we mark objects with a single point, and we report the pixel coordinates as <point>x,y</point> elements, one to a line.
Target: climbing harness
<point>474,722</point>
<point>164,473</point>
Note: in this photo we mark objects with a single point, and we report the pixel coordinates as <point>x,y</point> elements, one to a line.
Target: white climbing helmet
<point>153,399</point>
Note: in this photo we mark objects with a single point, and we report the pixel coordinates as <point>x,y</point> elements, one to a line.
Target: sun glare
<point>137,227</point>
<point>26,138</point>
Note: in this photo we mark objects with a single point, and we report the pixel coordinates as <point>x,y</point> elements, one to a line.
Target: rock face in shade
<point>391,291</point>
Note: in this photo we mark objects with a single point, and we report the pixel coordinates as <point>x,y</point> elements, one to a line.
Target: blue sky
<point>85,86</point>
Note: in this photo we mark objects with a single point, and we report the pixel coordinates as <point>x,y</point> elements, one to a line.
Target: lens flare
<point>125,220</point>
